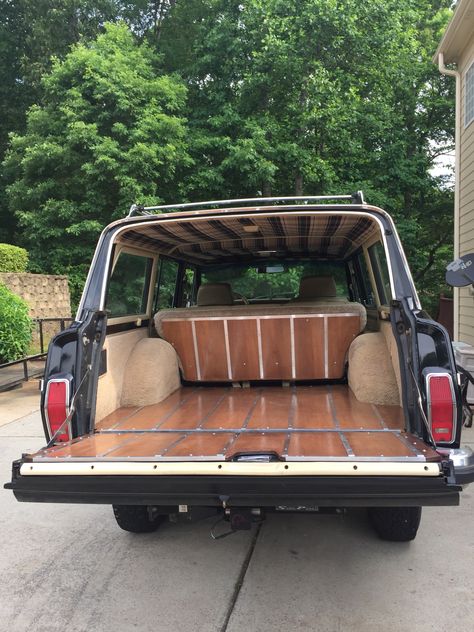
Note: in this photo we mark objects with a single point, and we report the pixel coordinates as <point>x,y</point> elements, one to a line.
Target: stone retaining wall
<point>48,297</point>
<point>46,294</point>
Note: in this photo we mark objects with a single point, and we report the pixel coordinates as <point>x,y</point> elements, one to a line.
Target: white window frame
<point>469,95</point>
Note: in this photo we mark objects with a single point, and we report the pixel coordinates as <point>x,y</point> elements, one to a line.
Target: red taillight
<point>57,408</point>
<point>441,407</point>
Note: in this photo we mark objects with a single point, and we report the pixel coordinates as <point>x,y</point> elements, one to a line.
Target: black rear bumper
<point>243,491</point>
<point>464,475</point>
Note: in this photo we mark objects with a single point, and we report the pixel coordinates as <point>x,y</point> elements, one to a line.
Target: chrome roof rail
<point>139,209</point>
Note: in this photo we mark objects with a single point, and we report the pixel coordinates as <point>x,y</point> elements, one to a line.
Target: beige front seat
<point>214,294</point>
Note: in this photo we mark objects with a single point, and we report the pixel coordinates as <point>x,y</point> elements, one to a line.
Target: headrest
<point>317,287</point>
<point>214,294</point>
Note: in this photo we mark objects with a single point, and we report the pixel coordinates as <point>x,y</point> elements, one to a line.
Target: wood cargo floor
<point>216,423</point>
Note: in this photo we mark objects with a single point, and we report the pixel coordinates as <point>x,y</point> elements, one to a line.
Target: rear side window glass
<point>353,288</point>
<point>129,285</point>
<point>364,284</point>
<point>187,287</point>
<point>378,261</point>
<point>275,281</point>
<point>167,277</point>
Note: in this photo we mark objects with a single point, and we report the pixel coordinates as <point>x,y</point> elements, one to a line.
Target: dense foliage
<point>15,326</point>
<point>13,258</point>
<point>109,132</point>
<point>217,98</point>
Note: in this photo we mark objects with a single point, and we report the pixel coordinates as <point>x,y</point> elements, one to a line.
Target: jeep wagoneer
<point>251,356</point>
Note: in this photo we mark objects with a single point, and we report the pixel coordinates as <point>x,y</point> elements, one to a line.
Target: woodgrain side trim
<point>289,347</point>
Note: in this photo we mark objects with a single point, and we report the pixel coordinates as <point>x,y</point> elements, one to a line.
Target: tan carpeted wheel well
<point>371,374</point>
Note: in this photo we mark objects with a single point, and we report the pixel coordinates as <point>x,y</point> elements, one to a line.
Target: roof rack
<point>139,209</point>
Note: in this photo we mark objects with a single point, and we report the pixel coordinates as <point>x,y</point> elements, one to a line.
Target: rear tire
<point>136,519</point>
<point>397,524</point>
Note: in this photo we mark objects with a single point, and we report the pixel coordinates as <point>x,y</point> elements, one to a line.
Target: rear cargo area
<point>317,422</point>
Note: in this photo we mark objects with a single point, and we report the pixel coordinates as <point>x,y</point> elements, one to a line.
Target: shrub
<point>15,326</point>
<point>12,258</point>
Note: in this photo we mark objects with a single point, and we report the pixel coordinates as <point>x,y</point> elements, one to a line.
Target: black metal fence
<point>32,366</point>
<point>41,321</point>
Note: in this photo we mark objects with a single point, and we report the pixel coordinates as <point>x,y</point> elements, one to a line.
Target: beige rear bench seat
<point>298,341</point>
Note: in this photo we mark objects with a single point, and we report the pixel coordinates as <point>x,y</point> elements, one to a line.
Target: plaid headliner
<point>204,240</point>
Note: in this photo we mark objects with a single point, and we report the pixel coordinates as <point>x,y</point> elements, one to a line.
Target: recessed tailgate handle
<point>256,457</point>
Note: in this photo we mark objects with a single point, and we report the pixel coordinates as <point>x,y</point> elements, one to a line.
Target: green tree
<point>15,326</point>
<point>31,32</point>
<point>13,259</point>
<point>283,96</point>
<point>321,96</point>
<point>109,131</point>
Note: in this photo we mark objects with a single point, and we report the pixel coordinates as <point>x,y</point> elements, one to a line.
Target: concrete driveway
<point>70,568</point>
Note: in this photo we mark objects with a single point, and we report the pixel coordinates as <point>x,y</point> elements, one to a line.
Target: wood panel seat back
<point>234,344</point>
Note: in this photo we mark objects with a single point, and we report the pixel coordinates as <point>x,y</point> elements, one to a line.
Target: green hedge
<point>15,326</point>
<point>13,258</point>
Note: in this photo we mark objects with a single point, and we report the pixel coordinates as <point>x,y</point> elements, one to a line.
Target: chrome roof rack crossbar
<point>139,209</point>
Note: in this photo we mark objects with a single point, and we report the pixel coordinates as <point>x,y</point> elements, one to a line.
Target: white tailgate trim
<point>225,468</point>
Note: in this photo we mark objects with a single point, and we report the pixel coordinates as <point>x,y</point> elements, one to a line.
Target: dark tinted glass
<point>275,281</point>
<point>380,269</point>
<point>167,276</point>
<point>187,287</point>
<point>363,282</point>
<point>128,285</point>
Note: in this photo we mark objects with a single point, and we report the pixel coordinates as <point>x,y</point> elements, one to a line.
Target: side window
<point>187,287</point>
<point>129,285</point>
<point>378,261</point>
<point>353,287</point>
<point>363,281</point>
<point>167,277</point>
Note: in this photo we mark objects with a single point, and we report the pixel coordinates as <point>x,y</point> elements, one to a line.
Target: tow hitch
<point>240,519</point>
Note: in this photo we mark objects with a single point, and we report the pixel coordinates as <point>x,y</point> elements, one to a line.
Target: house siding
<point>465,238</point>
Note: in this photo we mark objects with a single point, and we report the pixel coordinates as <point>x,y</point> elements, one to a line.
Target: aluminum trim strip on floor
<point>323,423</point>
